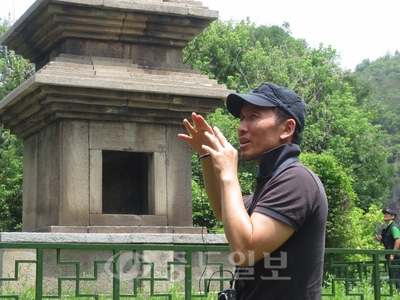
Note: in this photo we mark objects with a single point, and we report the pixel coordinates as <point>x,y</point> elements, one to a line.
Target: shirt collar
<point>270,160</point>
<point>389,224</point>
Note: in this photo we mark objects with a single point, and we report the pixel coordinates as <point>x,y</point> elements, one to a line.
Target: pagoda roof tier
<point>47,23</point>
<point>107,89</point>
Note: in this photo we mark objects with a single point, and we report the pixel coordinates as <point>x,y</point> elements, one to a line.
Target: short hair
<point>281,116</point>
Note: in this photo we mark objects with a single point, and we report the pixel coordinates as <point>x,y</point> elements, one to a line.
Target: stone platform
<point>120,238</point>
<point>124,229</point>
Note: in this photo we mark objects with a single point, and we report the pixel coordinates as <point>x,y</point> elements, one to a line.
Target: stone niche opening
<point>125,183</point>
<point>128,174</point>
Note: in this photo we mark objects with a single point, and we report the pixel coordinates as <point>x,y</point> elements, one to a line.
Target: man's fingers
<point>222,139</point>
<point>208,149</point>
<point>218,140</point>
<point>213,140</point>
<point>201,124</point>
<point>189,127</point>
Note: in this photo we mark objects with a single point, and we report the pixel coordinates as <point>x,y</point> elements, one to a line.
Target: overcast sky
<point>357,29</point>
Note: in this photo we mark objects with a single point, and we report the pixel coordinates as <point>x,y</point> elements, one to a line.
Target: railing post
<point>376,276</point>
<point>188,275</point>
<point>39,274</point>
<point>116,274</point>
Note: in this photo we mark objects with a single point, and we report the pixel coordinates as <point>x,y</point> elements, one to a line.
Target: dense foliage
<point>383,75</point>
<point>13,68</point>
<point>13,71</point>
<point>10,182</point>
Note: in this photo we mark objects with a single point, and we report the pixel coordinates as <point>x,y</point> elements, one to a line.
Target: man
<point>390,238</point>
<point>277,235</point>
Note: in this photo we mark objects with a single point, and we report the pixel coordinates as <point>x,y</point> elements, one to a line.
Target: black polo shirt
<point>296,197</point>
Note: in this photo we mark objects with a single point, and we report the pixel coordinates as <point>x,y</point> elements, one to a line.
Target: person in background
<point>390,238</point>
<point>276,235</point>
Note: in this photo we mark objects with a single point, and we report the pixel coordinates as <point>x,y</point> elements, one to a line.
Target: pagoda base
<point>123,229</point>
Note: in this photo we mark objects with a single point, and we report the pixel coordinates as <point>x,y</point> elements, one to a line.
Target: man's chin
<point>246,157</point>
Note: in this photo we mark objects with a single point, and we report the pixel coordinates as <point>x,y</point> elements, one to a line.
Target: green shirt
<point>395,231</point>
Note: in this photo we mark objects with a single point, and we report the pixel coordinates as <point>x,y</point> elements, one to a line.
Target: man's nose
<point>242,126</point>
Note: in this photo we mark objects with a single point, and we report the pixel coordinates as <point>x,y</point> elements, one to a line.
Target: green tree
<point>10,182</point>
<point>202,213</point>
<point>344,129</point>
<point>383,75</point>
<point>243,55</point>
<point>13,71</point>
<point>340,194</point>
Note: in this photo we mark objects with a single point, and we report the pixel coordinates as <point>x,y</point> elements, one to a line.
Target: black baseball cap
<point>272,95</point>
<point>389,211</point>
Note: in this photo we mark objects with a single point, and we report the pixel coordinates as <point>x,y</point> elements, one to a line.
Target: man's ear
<point>288,130</point>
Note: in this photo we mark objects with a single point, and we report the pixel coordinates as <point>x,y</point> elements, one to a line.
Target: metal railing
<point>361,274</point>
<point>112,271</point>
<point>159,271</point>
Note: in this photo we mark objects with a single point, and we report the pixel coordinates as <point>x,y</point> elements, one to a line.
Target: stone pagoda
<point>100,117</point>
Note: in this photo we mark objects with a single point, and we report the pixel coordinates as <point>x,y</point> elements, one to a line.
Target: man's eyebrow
<point>247,110</point>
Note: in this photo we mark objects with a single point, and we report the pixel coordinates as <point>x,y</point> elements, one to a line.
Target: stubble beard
<point>247,156</point>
